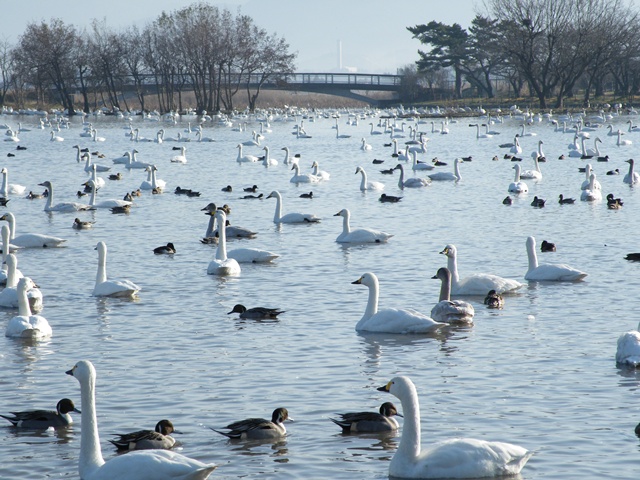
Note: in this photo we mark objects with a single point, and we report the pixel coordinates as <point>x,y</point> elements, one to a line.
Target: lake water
<point>540,373</point>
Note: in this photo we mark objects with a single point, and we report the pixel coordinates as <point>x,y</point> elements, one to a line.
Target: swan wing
<point>555,272</point>
<point>481,283</point>
<point>629,348</point>
<point>391,320</point>
<point>116,288</point>
<point>36,240</point>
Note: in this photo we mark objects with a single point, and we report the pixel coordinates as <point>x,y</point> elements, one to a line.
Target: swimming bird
<point>547,246</point>
<point>447,310</point>
<point>631,177</point>
<point>222,265</point>
<point>478,283</point>
<point>293,217</point>
<point>160,438</point>
<point>535,174</point>
<point>321,174</point>
<point>110,288</point>
<point>10,188</point>
<point>302,177</point>
<point>614,203</point>
<point>454,458</point>
<point>494,300</point>
<point>369,422</point>
<point>245,158</point>
<point>448,176</point>
<point>365,184</point>
<point>634,257</point>
<point>517,186</point>
<point>30,240</point>
<point>592,193</point>
<point>565,201</point>
<point>413,182</point>
<point>507,200</point>
<point>384,198</point>
<point>419,165</point>
<point>10,294</point>
<point>538,202</point>
<point>82,225</point>
<point>258,428</point>
<point>89,165</point>
<point>64,206</point>
<point>138,465</point>
<point>167,249</point>
<point>628,350</point>
<point>44,419</point>
<point>306,195</point>
<point>25,324</point>
<point>358,235</point>
<point>390,320</point>
<point>256,313</point>
<point>267,161</point>
<point>109,203</point>
<point>182,157</point>
<point>549,272</point>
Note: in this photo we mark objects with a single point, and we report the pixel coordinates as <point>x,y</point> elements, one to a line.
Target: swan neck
<point>90,451</point>
<point>24,309</point>
<point>12,281</point>
<point>210,227</point>
<point>278,213</point>
<point>346,228</point>
<point>401,179</point>
<point>372,302</point>
<point>445,289</point>
<point>409,447</point>
<point>363,182</point>
<point>101,276</point>
<point>531,253</point>
<point>221,252</point>
<point>452,265</point>
<point>11,220</point>
<point>5,183</point>
<point>92,199</point>
<point>456,169</point>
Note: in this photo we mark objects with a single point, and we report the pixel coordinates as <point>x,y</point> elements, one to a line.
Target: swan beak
<point>357,282</point>
<point>70,372</point>
<point>335,214</point>
<point>435,277</point>
<point>445,251</point>
<point>385,388</point>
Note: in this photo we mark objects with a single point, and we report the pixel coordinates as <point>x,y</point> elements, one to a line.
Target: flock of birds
<point>458,458</point>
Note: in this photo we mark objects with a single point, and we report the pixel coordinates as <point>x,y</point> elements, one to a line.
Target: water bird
<point>538,202</point>
<point>293,217</point>
<point>64,206</point>
<point>306,195</point>
<point>222,265</point>
<point>628,349</point>
<point>160,438</point>
<point>547,246</point>
<point>228,188</point>
<point>634,257</point>
<point>30,240</point>
<point>565,201</point>
<point>365,184</point>
<point>614,172</point>
<point>631,177</point>
<point>258,428</point>
<point>384,198</point>
<point>413,182</point>
<point>254,197</point>
<point>256,313</point>
<point>110,288</point>
<point>252,189</point>
<point>167,249</point>
<point>44,419</point>
<point>369,422</point>
<point>358,235</point>
<point>494,300</point>
<point>507,200</point>
<point>25,324</point>
<point>549,272</point>
<point>447,310</point>
<point>82,225</point>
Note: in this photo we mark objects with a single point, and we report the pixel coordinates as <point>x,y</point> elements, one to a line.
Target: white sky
<point>372,33</point>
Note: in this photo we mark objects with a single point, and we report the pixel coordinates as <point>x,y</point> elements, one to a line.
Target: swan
<point>374,132</point>
<point>110,288</point>
<point>61,207</point>
<point>422,148</point>
<point>517,149</point>
<point>585,184</point>
<point>137,465</point>
<point>258,428</point>
<point>450,176</point>
<point>365,147</point>
<point>288,160</point>
<point>26,325</point>
<point>369,422</point>
<point>290,217</point>
<point>132,161</point>
<point>454,458</point>
<point>321,174</point>
<point>9,296</point>
<point>111,203</point>
<point>95,137</point>
<point>366,185</point>
<point>359,235</point>
<point>182,158</point>
<point>222,265</point>
<point>414,182</point>
<point>628,351</point>
<point>5,232</point>
<point>631,177</point>
<point>252,255</point>
<point>591,193</point>
<point>549,272</point>
<point>338,135</point>
<point>302,177</point>
<point>29,240</point>
<point>230,230</point>
<point>399,154</point>
<point>620,142</point>
<point>56,138</point>
<point>268,161</point>
<point>44,419</point>
<point>524,133</point>
<point>533,174</point>
<point>477,283</point>
<point>417,165</point>
<point>517,186</point>
<point>478,134</point>
<point>390,320</point>
<point>447,310</point>
<point>255,142</point>
<point>153,183</point>
<point>160,437</point>
<point>10,188</point>
<point>203,139</point>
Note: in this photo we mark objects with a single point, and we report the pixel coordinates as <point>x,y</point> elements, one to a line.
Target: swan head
<point>4,171</point>
<point>209,208</point>
<point>26,284</point>
<point>399,387</point>
<point>83,371</point>
<point>449,251</point>
<point>531,243</point>
<point>443,274</point>
<point>630,162</point>
<point>342,213</point>
<point>399,167</point>
<point>359,169</point>
<point>368,279</point>
<point>46,184</point>
<point>101,247</point>
<point>274,194</point>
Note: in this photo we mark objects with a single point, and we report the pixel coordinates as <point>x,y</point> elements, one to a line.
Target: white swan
<point>517,149</point>
<point>222,265</point>
<point>321,174</point>
<point>585,184</point>
<point>61,207</point>
<point>302,177</point>
<point>549,272</point>
<point>478,134</point>
<point>455,458</point>
<point>293,217</point>
<point>152,182</point>
<point>417,165</point>
<point>136,465</point>
<point>29,240</point>
<point>339,135</point>
<point>268,161</point>
<point>591,193</point>
<point>89,166</point>
<point>110,288</point>
<point>447,310</point>
<point>5,232</point>
<point>620,142</point>
<point>517,186</point>
<point>365,184</point>
<point>113,202</point>
<point>9,297</point>
<point>182,158</point>
<point>535,174</point>
<point>99,181</point>
<point>413,182</point>
<point>359,235</point>
<point>25,324</point>
<point>288,160</point>
<point>477,283</point>
<point>538,153</point>
<point>628,351</point>
<point>448,176</point>
<point>399,154</point>
<point>631,177</point>
<point>365,147</point>
<point>252,255</point>
<point>390,320</point>
<point>8,188</point>
<point>132,161</point>
<point>56,138</point>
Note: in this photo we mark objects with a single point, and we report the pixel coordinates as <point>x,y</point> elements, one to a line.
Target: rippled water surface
<point>540,372</point>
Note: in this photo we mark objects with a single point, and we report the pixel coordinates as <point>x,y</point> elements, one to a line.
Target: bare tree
<point>6,69</point>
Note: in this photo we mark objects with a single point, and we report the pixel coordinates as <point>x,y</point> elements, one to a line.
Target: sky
<point>372,33</point>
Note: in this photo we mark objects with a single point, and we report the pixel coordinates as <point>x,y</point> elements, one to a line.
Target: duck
<point>115,176</point>
<point>111,288</point>
<point>448,176</point>
<point>494,300</point>
<point>592,193</point>
<point>478,283</point>
<point>507,200</point>
<point>256,313</point>
<point>82,225</point>
<point>631,177</point>
<point>565,201</point>
<point>252,189</point>
<point>547,246</point>
<point>538,202</point>
<point>614,203</point>
<point>25,324</point>
<point>125,209</point>
<point>454,458</point>
<point>222,265</point>
<point>369,422</point>
<point>414,182</point>
<point>228,188</point>
<point>158,438</point>
<point>182,158</point>
<point>10,188</point>
<point>365,184</point>
<point>10,295</point>
<point>44,419</point>
<point>293,217</point>
<point>447,310</point>
<point>30,240</point>
<point>391,320</point>
<point>321,174</point>
<point>258,428</point>
<point>628,350</point>
<point>306,195</point>
<point>358,235</point>
<point>167,249</point>
<point>252,197</point>
<point>517,186</point>
<point>35,196</point>
<point>302,177</point>
<point>245,158</point>
<point>384,198</point>
<point>139,465</point>
<point>634,257</point>
<point>64,206</point>
<point>549,272</point>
